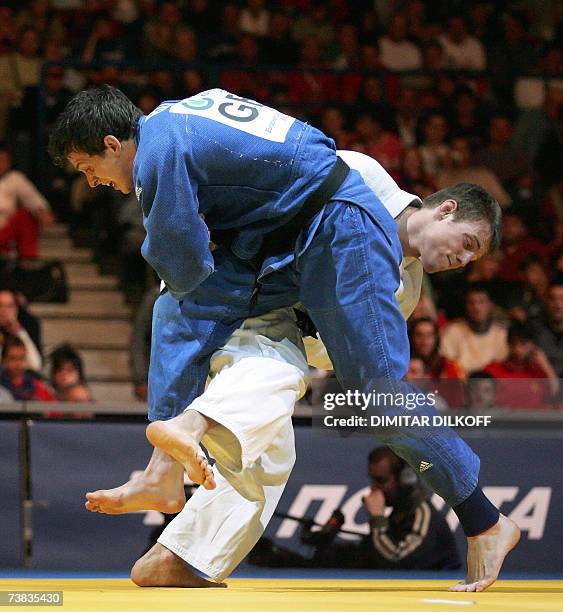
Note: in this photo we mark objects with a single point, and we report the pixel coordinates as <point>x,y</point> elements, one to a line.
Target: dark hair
<point>412,327</point>
<point>519,331</point>
<point>473,204</point>
<point>9,343</point>
<point>478,288</point>
<point>384,452</point>
<point>65,353</point>
<point>480,374</point>
<point>91,115</point>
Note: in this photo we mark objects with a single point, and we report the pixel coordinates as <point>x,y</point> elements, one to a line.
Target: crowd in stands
<point>437,91</point>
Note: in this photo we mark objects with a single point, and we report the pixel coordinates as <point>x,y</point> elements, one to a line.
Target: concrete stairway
<point>95,320</point>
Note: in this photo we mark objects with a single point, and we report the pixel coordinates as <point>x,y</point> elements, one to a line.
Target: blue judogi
<point>246,167</point>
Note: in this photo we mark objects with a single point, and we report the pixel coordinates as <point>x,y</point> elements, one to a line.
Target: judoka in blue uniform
<point>220,162</point>
<point>302,229</point>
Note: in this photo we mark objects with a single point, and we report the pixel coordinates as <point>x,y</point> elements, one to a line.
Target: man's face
<point>113,167</point>
<point>382,478</point>
<point>8,309</point>
<point>478,306</point>
<point>447,244</point>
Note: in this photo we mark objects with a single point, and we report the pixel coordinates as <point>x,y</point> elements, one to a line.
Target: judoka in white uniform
<point>256,379</point>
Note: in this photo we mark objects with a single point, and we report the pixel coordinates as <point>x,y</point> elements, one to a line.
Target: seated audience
<point>22,209</point>
<point>548,328</point>
<point>476,339</point>
<point>67,368</point>
<point>446,374</point>
<point>21,382</point>
<point>10,326</point>
<point>480,392</point>
<point>527,362</point>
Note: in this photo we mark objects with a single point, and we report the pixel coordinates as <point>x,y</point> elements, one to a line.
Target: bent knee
<point>139,575</point>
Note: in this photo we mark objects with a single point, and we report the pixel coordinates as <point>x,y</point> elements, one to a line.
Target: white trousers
<point>257,379</point>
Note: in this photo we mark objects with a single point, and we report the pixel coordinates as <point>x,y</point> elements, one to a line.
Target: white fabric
<point>16,189</point>
<point>253,399</point>
<point>399,56</point>
<point>256,379</point>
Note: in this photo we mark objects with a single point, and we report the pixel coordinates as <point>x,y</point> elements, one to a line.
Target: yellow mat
<point>267,595</point>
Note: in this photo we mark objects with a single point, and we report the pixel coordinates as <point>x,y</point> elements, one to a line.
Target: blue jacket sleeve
<point>177,240</point>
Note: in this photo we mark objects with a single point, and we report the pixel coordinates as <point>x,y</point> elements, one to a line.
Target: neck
<point>409,224</point>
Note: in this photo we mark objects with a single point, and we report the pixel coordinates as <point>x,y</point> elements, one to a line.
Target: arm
<point>177,241</point>
<point>34,361</point>
<point>27,194</point>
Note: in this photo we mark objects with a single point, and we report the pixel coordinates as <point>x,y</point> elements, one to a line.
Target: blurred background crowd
<point>437,91</point>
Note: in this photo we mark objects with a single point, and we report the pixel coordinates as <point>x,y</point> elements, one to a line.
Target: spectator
<point>15,376</point>
<point>397,52</point>
<point>140,344</point>
<point>531,296</point>
<point>379,143</point>
<point>477,339</point>
<point>279,48</point>
<point>407,115</point>
<point>507,161</point>
<point>467,121</point>
<point>349,56</point>
<point>104,44</point>
<point>433,57</point>
<point>526,362</point>
<point>224,42</point>
<point>67,368</point>
<point>315,24</point>
<point>254,19</point>
<point>10,326</point>
<point>457,168</point>
<point>480,392</point>
<point>463,51</point>
<point>433,148</point>
<point>333,124</point>
<point>185,50</point>
<point>517,246</point>
<point>22,208</point>
<point>19,75</point>
<point>425,345</point>
<point>412,177</point>
<point>548,328</point>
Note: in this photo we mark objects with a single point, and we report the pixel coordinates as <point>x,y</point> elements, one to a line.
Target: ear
<point>112,144</point>
<point>447,207</point>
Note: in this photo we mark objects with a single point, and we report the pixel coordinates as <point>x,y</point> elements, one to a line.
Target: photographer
<point>414,535</point>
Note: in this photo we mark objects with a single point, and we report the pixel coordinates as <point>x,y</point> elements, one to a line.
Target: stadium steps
<point>95,320</point>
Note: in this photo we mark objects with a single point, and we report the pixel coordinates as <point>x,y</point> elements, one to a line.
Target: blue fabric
<point>345,270</point>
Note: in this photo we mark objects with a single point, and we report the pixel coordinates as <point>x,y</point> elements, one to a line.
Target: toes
<point>457,588</point>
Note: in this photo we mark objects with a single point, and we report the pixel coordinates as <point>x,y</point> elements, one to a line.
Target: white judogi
<point>256,379</point>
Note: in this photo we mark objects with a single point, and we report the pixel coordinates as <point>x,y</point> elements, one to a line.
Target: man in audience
<point>477,339</point>
<point>480,392</point>
<point>548,329</point>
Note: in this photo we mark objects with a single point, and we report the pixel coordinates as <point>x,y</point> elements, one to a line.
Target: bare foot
<point>160,487</point>
<point>486,553</point>
<point>160,567</point>
<point>172,438</point>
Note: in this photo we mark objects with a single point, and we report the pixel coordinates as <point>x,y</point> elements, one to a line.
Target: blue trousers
<point>346,277</point>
